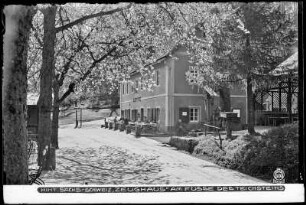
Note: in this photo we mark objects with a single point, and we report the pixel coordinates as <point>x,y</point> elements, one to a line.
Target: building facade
<point>174,98</point>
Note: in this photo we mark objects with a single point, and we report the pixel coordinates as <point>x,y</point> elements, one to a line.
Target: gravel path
<point>94,155</point>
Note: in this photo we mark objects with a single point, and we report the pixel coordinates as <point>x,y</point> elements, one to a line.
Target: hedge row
<point>257,156</point>
<point>184,143</point>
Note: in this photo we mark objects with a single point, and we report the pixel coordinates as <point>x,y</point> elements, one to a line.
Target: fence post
<point>76,117</point>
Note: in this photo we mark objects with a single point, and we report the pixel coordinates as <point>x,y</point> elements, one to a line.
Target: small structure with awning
<point>277,103</point>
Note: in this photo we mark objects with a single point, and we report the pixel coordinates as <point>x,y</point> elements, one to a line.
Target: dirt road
<point>94,155</point>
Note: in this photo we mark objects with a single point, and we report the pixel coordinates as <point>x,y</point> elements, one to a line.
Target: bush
<point>184,143</point>
<point>278,148</point>
<point>209,146</point>
<point>258,156</point>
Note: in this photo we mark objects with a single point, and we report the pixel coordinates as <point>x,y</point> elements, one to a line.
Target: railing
<point>271,118</point>
<point>216,131</point>
<point>204,129</point>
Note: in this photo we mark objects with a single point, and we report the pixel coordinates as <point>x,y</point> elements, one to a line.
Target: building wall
<point>181,67</point>
<point>145,103</point>
<point>190,101</point>
<point>175,92</point>
<point>147,99</point>
<point>158,90</point>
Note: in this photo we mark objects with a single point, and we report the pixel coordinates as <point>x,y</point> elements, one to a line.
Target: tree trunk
<point>225,99</point>
<point>14,94</point>
<point>45,98</point>
<point>250,107</point>
<point>55,115</point>
<point>225,104</point>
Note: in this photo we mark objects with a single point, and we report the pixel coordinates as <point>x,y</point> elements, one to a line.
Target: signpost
<point>80,115</point>
<point>76,116</point>
<point>229,117</point>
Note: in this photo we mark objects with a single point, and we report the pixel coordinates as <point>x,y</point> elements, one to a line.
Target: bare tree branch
<point>81,45</point>
<point>37,37</point>
<point>183,16</point>
<point>84,18</point>
<point>72,84</point>
<point>166,10</point>
<point>34,74</point>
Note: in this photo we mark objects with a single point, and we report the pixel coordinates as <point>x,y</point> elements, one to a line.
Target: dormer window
<point>136,86</point>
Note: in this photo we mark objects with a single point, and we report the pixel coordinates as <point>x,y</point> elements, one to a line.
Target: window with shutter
<point>157,114</point>
<point>149,114</point>
<point>129,114</point>
<point>152,114</point>
<point>134,115</point>
<point>141,114</point>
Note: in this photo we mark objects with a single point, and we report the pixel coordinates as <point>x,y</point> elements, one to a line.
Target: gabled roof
<point>135,71</point>
<point>288,66</point>
<point>174,48</point>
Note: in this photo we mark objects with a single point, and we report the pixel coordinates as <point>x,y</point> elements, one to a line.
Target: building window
<point>136,86</point>
<point>157,77</point>
<point>122,113</point>
<point>122,88</point>
<point>194,114</point>
<point>134,115</point>
<point>193,76</point>
<point>127,114</point>
<point>133,88</point>
<point>153,114</point>
<point>157,114</point>
<point>149,114</point>
<point>127,88</point>
<point>141,114</point>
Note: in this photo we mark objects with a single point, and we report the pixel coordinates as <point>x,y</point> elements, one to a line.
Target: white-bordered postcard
<point>154,102</point>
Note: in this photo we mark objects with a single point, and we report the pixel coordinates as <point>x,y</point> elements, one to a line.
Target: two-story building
<point>174,98</point>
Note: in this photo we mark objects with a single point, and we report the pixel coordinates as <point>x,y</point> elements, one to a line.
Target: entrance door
<point>184,114</point>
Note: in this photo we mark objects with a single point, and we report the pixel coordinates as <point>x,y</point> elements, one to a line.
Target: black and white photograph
<point>153,102</point>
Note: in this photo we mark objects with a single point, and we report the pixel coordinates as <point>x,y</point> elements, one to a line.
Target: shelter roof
<point>290,65</point>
